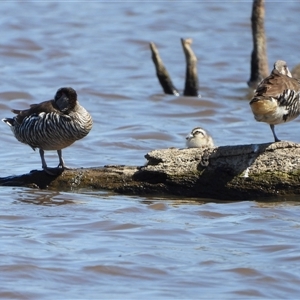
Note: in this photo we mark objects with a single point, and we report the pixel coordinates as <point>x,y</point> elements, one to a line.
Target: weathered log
<point>242,172</point>
<point>191,86</point>
<point>162,73</point>
<point>259,58</point>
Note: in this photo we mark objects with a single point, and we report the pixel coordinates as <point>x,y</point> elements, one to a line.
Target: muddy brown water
<point>92,245</point>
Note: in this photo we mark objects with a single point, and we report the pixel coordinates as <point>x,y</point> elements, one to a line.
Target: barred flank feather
<point>290,100</point>
<point>53,131</point>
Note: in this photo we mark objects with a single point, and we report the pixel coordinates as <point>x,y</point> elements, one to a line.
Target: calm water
<point>91,245</point>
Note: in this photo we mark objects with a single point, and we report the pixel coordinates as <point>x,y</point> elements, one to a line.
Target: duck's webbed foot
<point>61,161</point>
<point>53,171</point>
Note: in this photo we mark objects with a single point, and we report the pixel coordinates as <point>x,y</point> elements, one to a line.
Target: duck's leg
<point>61,161</point>
<point>274,134</point>
<point>50,171</point>
<point>44,165</point>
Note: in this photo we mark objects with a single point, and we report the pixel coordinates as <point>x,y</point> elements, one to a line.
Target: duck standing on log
<point>277,98</point>
<point>52,125</point>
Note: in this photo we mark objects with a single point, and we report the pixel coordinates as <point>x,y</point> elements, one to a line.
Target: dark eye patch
<point>199,132</point>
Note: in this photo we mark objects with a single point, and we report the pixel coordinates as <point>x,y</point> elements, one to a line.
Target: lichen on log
<point>242,172</point>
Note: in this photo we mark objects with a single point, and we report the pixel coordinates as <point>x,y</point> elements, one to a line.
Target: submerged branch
<point>191,77</point>
<point>162,73</point>
<point>191,87</point>
<point>230,172</point>
<point>259,58</point>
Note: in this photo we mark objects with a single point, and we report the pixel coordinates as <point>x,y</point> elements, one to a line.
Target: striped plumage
<point>199,138</point>
<point>52,125</point>
<point>277,98</point>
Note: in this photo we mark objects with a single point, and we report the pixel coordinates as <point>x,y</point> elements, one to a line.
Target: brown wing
<point>275,84</point>
<point>46,106</point>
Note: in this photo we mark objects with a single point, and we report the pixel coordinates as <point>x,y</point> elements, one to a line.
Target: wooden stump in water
<point>191,77</point>
<point>259,57</point>
<point>162,73</point>
<point>191,86</point>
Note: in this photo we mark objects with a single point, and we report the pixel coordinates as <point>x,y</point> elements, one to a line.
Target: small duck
<point>199,138</point>
<point>276,100</point>
<point>52,125</point>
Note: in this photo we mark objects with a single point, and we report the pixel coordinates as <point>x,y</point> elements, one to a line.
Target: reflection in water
<point>279,202</point>
<point>44,197</point>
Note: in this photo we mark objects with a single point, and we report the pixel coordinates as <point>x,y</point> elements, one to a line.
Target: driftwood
<point>191,86</point>
<point>259,68</point>
<point>259,58</point>
<point>242,172</point>
<point>162,73</point>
